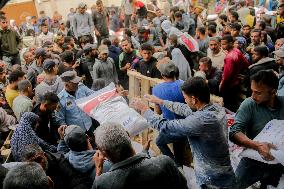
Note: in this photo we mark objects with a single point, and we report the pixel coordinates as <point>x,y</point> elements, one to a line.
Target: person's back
<point>140,171</point>
<point>55,85</point>
<point>169,91</point>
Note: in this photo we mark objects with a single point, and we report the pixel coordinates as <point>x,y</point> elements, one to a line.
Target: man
<point>280,61</point>
<point>3,85</point>
<point>205,129</point>
<point>126,59</point>
<point>28,58</point>
<point>113,50</point>
<point>114,144</point>
<point>148,36</point>
<point>234,17</point>
<point>100,19</point>
<point>179,59</point>
<point>127,8</point>
<point>36,67</point>
<point>79,66</point>
<point>235,29</point>
<point>213,75</point>
<point>147,66</point>
<point>62,29</point>
<point>12,89</point>
<point>10,42</point>
<point>211,30</point>
<point>104,67</point>
<point>255,40</point>
<point>216,53</point>
<point>180,23</point>
<point>27,174</point>
<point>254,113</point>
<point>234,64</point>
<point>45,35</point>
<point>246,33</point>
<point>169,90</point>
<point>51,83</point>
<point>47,129</point>
<point>202,40</point>
<point>69,113</point>
<point>280,22</point>
<point>56,167</point>
<point>243,11</point>
<point>78,150</point>
<point>90,55</point>
<point>23,103</point>
<point>82,24</point>
<point>262,61</point>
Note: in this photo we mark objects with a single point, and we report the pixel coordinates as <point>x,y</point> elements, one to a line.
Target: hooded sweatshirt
<point>83,162</point>
<point>263,64</point>
<point>55,85</point>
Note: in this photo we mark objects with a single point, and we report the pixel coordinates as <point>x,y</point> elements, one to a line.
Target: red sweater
<point>234,64</point>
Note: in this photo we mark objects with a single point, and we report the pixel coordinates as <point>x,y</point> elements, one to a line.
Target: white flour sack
<point>106,105</point>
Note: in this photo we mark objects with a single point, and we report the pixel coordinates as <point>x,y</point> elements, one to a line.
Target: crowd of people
<point>48,63</point>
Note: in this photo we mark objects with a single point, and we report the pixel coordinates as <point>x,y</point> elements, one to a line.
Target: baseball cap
<point>70,76</point>
<point>103,49</point>
<point>167,69</point>
<point>279,53</point>
<point>40,52</point>
<point>75,137</point>
<point>82,5</point>
<point>49,64</point>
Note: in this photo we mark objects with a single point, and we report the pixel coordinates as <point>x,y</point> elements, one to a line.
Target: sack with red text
<point>106,105</point>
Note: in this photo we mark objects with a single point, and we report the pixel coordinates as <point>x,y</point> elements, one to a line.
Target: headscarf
<point>24,135</point>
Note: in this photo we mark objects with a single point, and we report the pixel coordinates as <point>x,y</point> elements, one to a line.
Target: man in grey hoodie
<point>36,67</point>
<point>81,152</point>
<point>104,67</point>
<point>51,83</point>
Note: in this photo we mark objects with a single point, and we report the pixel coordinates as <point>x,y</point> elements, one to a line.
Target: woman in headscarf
<point>25,135</point>
<point>240,43</point>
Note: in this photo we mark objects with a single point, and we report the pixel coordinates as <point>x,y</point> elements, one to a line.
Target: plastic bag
<point>106,105</point>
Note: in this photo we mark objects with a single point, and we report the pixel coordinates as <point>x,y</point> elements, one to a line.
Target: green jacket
<point>9,42</point>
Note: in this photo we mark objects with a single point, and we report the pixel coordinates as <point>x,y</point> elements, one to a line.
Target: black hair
<point>246,26</point>
<point>256,31</point>
<point>106,42</point>
<point>128,32</point>
<point>212,28</point>
<point>84,39</point>
<point>236,26</point>
<point>262,50</point>
<point>198,88</point>
<point>206,60</point>
<point>50,98</point>
<point>15,75</point>
<point>235,14</point>
<point>223,17</point>
<point>212,23</point>
<point>67,56</point>
<point>202,30</point>
<point>146,47</point>
<point>266,77</point>
<point>178,14</point>
<point>228,38</point>
<point>67,39</point>
<point>262,24</point>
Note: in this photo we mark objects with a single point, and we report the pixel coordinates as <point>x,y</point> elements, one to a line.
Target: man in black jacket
<point>262,61</point>
<point>57,168</point>
<point>130,170</point>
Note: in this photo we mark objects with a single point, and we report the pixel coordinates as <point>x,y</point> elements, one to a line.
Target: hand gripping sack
<point>106,105</point>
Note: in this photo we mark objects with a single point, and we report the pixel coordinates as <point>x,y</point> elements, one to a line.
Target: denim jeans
<point>162,142</point>
<point>250,171</point>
